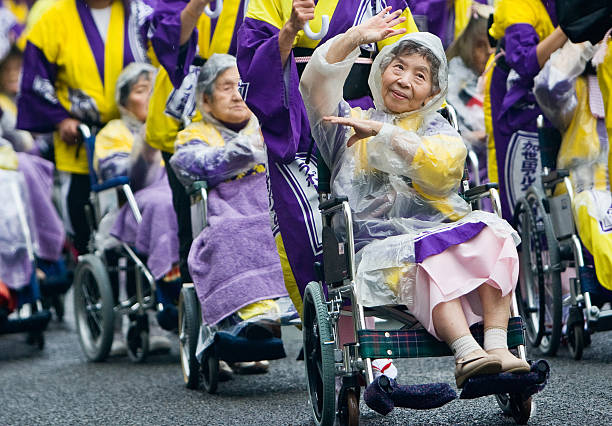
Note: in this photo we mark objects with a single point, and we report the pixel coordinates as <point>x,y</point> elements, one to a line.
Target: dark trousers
<point>180,201</point>
<point>78,198</point>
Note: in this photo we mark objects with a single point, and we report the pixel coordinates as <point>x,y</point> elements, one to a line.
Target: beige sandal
<point>510,363</point>
<point>476,363</point>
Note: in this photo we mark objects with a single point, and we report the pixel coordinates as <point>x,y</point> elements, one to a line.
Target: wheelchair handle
<point>212,14</point>
<point>322,33</point>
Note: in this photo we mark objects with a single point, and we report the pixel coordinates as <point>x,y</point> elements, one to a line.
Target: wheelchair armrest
<point>196,187</point>
<point>332,202</point>
<point>554,177</point>
<point>479,191</point>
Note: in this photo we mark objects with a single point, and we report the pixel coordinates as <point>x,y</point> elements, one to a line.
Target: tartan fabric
<point>420,344</point>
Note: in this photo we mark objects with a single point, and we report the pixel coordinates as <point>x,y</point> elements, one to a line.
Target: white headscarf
<point>429,41</point>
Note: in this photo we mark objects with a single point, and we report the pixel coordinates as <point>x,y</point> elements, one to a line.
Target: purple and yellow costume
<point>275,98</point>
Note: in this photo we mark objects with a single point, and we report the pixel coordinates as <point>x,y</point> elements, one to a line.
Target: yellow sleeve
<point>47,33</point>
<point>438,164</point>
<point>510,12</point>
<point>409,24</point>
<point>114,137</point>
<point>269,11</point>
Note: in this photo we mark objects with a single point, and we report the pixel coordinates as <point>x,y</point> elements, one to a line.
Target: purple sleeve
<point>165,34</point>
<point>274,94</point>
<point>196,160</point>
<point>521,44</point>
<point>38,109</point>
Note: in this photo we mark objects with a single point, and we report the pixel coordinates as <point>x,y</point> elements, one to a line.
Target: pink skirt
<point>459,270</point>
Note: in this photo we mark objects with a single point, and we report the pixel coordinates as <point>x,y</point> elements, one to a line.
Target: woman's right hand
<point>301,12</point>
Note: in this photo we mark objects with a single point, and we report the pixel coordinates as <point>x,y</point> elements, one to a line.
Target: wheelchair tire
<point>189,327</point>
<point>93,308</point>
<point>209,372</point>
<point>540,252</point>
<point>319,355</point>
<point>575,337</point>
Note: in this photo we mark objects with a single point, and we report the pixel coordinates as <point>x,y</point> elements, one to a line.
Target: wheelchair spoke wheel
<point>93,308</point>
<point>539,289</point>
<point>189,327</point>
<point>319,356</point>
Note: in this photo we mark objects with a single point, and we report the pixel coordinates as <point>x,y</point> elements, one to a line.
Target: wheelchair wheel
<point>189,327</point>
<point>539,289</point>
<point>575,337</point>
<point>93,308</point>
<point>515,406</point>
<point>209,372</point>
<point>349,408</point>
<point>138,338</point>
<point>319,355</point>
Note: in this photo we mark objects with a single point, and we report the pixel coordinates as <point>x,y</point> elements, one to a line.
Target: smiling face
<point>407,83</point>
<point>226,104</point>
<point>138,100</point>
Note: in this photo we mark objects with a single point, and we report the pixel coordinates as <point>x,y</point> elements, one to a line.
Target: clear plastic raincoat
<point>402,184</point>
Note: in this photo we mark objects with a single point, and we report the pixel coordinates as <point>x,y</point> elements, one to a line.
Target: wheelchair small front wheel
<point>189,327</point>
<point>575,337</point>
<point>319,355</point>
<point>520,409</point>
<point>93,308</point>
<point>209,371</point>
<point>138,339</point>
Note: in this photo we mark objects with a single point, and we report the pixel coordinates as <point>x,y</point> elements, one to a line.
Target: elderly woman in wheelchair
<point>233,260</point>
<point>399,166</point>
<point>140,227</point>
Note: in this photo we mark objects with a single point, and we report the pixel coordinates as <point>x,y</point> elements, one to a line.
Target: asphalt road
<point>57,386</point>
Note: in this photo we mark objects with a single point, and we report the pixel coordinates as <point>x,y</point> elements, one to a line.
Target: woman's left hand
<point>363,128</point>
<point>380,27</point>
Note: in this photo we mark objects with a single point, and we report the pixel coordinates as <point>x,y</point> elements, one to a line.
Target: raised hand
<point>380,27</point>
<point>363,128</point>
<point>301,12</point>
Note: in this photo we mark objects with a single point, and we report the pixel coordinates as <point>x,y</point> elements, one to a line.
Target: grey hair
<point>412,47</point>
<point>129,77</point>
<point>211,70</point>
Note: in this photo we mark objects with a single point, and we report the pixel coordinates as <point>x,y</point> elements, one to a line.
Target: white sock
<point>384,366</point>
<point>495,338</point>
<point>464,345</point>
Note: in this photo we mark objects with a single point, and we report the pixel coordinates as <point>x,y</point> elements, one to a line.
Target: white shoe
<point>118,348</point>
<point>159,344</point>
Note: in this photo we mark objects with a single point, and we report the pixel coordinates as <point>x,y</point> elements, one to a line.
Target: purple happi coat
<point>275,98</point>
<point>514,110</point>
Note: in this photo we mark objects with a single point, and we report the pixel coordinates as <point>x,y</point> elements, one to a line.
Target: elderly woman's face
<point>407,83</point>
<point>138,100</point>
<point>226,104</point>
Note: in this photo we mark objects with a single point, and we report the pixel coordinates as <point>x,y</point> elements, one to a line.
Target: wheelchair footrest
<point>38,321</point>
<point>508,383</point>
<point>420,344</point>
<point>232,348</point>
<point>384,394</point>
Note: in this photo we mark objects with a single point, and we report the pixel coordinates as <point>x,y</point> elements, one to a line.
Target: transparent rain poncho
<point>402,183</point>
<point>17,233</point>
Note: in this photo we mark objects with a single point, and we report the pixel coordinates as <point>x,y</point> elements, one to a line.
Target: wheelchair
<point>97,301</point>
<point>551,245</point>
<point>202,346</point>
<point>30,317</point>
<point>326,359</point>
